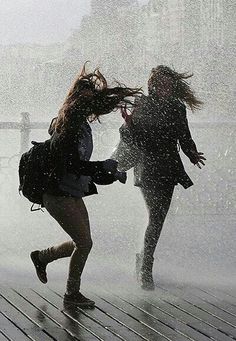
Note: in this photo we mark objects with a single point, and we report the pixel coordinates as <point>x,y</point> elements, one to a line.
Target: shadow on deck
<point>172,313</point>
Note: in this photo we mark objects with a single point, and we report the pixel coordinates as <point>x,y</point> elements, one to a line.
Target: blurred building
<point>107,37</point>
<point>126,40</point>
<point>25,79</point>
<point>199,37</point>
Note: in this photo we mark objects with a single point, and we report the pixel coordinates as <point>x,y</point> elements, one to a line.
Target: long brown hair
<point>90,97</point>
<point>181,88</point>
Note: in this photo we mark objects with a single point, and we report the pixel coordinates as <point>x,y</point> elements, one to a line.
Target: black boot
<point>144,271</point>
<point>39,266</point>
<point>78,300</point>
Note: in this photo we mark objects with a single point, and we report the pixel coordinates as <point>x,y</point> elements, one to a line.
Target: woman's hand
<point>110,166</point>
<point>198,158</point>
<point>121,176</point>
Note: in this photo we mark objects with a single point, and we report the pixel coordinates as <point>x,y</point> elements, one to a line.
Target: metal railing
<point>25,125</point>
<point>215,195</point>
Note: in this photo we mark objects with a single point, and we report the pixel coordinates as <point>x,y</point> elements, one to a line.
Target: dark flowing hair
<point>90,97</point>
<point>182,89</point>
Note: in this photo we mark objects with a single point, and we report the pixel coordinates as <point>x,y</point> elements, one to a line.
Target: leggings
<point>158,201</point>
<point>72,216</point>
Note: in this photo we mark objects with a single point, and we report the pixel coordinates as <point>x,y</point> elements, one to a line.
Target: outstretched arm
<point>186,142</point>
<point>65,151</point>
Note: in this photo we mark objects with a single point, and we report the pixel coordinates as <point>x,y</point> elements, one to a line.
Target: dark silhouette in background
<point>149,142</point>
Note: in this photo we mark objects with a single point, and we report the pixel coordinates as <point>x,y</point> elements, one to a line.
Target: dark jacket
<point>65,159</point>
<point>156,130</point>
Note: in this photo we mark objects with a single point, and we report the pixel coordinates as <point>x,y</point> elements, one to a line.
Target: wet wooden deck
<point>178,314</point>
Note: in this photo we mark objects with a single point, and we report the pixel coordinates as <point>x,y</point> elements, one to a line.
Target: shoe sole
<point>79,305</point>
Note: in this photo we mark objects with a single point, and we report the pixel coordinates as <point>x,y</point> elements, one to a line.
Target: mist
<point>43,47</point>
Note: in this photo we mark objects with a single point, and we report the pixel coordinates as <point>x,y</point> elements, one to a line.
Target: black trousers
<point>157,198</point>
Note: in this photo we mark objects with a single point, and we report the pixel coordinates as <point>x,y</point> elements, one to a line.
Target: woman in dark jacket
<point>153,133</point>
<point>73,175</point>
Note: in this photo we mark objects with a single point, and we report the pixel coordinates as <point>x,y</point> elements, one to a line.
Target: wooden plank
<point>22,321</point>
<point>212,327</point>
<point>173,314</point>
<point>141,331</point>
<point>4,337</point>
<point>46,328</point>
<point>83,317</point>
<point>112,325</point>
<point>11,330</point>
<point>184,316</point>
<point>101,312</point>
<point>222,295</point>
<point>225,311</point>
<point>231,294</point>
<point>209,312</point>
<point>73,328</point>
<point>166,317</point>
<point>53,328</point>
<point>154,324</point>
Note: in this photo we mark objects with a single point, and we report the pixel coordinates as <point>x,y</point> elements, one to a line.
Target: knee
<point>89,245</point>
<point>84,247</point>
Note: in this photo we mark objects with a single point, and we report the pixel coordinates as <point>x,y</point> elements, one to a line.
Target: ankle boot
<point>78,300</point>
<point>40,267</point>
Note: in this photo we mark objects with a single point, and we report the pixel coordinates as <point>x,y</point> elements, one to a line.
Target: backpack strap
<point>32,209</point>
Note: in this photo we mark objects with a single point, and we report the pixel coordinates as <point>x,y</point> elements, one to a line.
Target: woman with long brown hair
<point>150,141</point>
<point>74,175</point>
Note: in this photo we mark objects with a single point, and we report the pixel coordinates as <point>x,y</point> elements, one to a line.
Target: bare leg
<point>158,202</point>
<point>72,215</point>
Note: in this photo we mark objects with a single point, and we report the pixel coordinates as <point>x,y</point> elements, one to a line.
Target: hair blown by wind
<point>90,97</point>
<point>182,89</point>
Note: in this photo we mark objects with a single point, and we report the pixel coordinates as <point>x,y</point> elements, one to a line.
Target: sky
<point>40,21</point>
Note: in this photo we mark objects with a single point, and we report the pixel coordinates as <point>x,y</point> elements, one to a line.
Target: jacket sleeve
<point>126,134</point>
<point>187,144</point>
<point>90,168</point>
<point>126,152</point>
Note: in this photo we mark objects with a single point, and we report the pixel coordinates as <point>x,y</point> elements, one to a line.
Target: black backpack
<point>35,169</point>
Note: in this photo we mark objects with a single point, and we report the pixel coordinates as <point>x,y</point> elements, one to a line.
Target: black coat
<point>156,130</point>
<point>64,150</point>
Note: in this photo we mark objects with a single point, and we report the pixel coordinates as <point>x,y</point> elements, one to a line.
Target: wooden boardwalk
<point>174,314</point>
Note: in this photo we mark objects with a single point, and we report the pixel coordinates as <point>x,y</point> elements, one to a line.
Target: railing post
<point>25,132</point>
